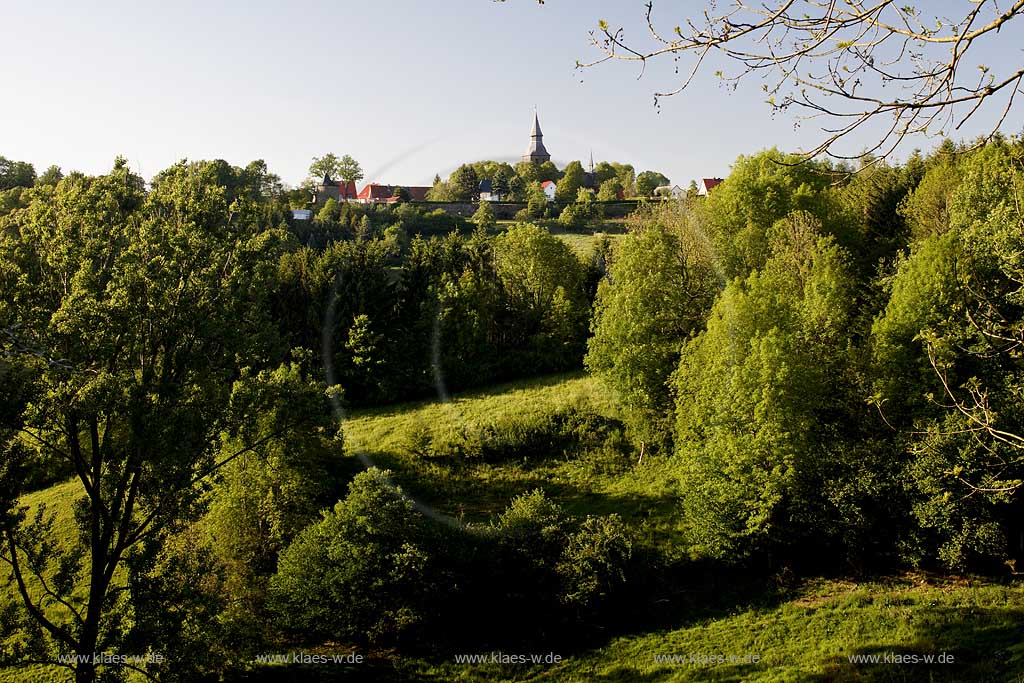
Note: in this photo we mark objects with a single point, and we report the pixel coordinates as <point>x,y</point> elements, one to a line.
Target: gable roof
<point>708,184</point>
<point>383,193</point>
<point>347,189</point>
<point>374,191</point>
<point>547,183</point>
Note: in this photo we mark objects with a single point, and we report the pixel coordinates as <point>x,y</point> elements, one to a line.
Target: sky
<point>409,88</point>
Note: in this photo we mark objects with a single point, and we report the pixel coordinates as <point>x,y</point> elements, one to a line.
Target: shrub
<point>594,562</point>
<point>359,574</point>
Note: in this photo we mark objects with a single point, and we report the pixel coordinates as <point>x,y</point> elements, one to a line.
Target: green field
<point>800,629</point>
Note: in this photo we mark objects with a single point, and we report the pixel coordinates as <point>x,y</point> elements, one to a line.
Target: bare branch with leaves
<point>846,63</point>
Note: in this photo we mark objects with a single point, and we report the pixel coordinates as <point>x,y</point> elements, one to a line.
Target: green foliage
<point>947,372</point>
<point>483,217</point>
<point>330,212</point>
<point>594,562</point>
<point>570,183</point>
<point>752,394</point>
<point>267,493</point>
<point>346,168</point>
<point>543,282</point>
<point>537,201</point>
<point>610,190</point>
<point>464,184</point>
<point>147,304</point>
<point>440,191</point>
<point>926,210</point>
<point>51,176</point>
<point>648,181</point>
<point>876,228</point>
<point>547,171</point>
<point>527,172</point>
<point>359,574</point>
<point>16,174</point>
<point>659,288</point>
<point>762,189</point>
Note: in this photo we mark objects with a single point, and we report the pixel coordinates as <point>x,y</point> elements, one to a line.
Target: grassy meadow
<point>800,630</point>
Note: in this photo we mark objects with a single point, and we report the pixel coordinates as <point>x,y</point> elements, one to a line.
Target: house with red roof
<point>374,193</point>
<point>338,190</point>
<point>706,185</point>
<point>549,189</point>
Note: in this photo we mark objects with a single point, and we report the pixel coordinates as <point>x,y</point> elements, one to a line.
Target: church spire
<point>536,153</point>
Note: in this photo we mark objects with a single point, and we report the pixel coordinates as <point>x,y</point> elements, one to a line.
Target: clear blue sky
<point>409,88</point>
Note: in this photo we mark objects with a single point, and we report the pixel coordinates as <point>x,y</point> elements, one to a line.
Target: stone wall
<point>506,211</point>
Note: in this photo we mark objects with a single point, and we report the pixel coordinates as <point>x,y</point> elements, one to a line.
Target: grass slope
<point>804,632</point>
<point>807,637</point>
<point>474,490</point>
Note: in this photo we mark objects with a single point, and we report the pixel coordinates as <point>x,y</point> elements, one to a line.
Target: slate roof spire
<point>536,153</point>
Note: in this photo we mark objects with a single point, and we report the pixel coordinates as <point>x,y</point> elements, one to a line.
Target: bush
<point>360,574</point>
<point>593,564</point>
<point>520,437</point>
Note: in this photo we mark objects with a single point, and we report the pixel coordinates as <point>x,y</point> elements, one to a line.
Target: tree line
<point>828,360</point>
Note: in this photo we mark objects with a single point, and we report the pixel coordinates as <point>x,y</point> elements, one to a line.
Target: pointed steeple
<point>591,161</point>
<point>536,152</point>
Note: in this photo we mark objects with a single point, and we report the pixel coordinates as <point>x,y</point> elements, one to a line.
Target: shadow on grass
<point>978,644</point>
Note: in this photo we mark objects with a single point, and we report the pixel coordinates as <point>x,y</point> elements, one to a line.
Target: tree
<point>853,62</point>
<point>439,191</point>
<point>755,390</point>
<point>330,212</point>
<point>571,182</point>
<point>140,310</point>
<point>610,190</point>
<point>16,174</point>
<point>547,171</point>
<point>603,172</point>
<point>464,184</point>
<point>580,212</point>
<point>544,284</point>
<point>401,193</point>
<point>51,176</point>
<point>536,201</point>
<point>648,181</point>
<point>349,170</point>
<point>500,182</point>
<point>947,350</point>
<point>261,500</point>
<point>484,216</point>
<point>526,171</point>
<point>762,189</point>
<point>659,288</point>
<point>626,175</point>
<point>346,168</point>
<point>359,573</point>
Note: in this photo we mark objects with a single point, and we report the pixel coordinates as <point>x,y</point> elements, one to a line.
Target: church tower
<point>536,152</point>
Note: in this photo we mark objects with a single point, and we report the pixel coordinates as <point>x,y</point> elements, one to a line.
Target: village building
<point>706,185</point>
<point>374,193</point>
<point>549,189</point>
<point>338,190</point>
<point>487,193</point>
<point>673,191</point>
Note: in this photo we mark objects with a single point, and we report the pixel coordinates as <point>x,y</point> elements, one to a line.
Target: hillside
<point>799,629</point>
